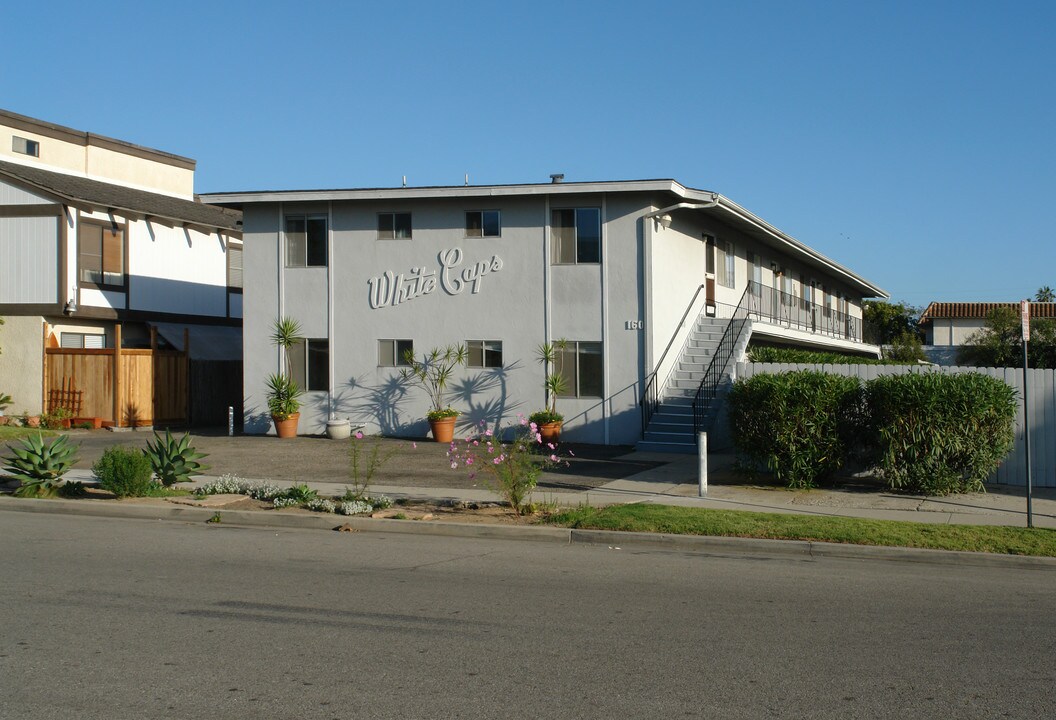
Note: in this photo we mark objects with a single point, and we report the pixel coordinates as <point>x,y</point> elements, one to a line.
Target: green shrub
<point>906,348</point>
<point>39,466</point>
<point>125,473</point>
<point>937,434</point>
<point>767,354</point>
<point>798,424</point>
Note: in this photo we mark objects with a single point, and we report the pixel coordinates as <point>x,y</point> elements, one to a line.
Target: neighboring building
<point>100,238</point>
<point>640,277</point>
<point>948,325</point>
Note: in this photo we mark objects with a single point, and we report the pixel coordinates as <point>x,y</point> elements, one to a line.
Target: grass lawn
<point>699,521</point>
<point>9,432</point>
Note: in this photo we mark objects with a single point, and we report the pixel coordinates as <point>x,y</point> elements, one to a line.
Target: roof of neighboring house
<point>96,195</point>
<point>980,310</point>
<point>683,197</point>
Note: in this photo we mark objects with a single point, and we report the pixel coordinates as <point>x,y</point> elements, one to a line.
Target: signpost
<point>1024,315</point>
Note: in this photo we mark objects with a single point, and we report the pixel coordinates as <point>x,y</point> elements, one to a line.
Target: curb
<point>706,545</point>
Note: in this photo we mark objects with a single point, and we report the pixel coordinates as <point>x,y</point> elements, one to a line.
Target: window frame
<point>83,337</point>
<point>484,354</point>
<point>398,361</point>
<point>240,249</point>
<point>28,147</point>
<point>308,218</point>
<point>574,382</point>
<point>725,263</point>
<point>556,238</point>
<point>393,214</point>
<point>302,364</point>
<point>484,225</point>
<point>114,228</point>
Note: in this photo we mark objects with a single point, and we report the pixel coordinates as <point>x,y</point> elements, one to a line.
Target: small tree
<point>999,343</point>
<point>283,394</point>
<point>551,355</point>
<point>431,374</point>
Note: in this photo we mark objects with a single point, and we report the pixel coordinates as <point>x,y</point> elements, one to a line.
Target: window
<point>755,262</point>
<point>724,263</point>
<point>576,235</point>
<point>101,253</point>
<point>580,365</point>
<point>393,353</point>
<point>82,340</point>
<point>306,241</point>
<point>25,146</point>
<point>310,364</point>
<point>484,353</point>
<point>483,223</point>
<point>234,267</point>
<point>394,226</point>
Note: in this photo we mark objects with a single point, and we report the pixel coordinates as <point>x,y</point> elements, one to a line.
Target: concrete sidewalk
<point>673,481</point>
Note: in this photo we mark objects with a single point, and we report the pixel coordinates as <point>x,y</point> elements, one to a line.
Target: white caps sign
<point>1024,314</point>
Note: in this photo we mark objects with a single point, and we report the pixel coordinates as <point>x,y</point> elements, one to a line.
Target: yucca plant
<point>174,461</point>
<point>40,465</point>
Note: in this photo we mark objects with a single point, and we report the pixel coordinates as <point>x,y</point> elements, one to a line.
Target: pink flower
<point>469,460</point>
<point>476,443</point>
<point>533,426</point>
<point>490,449</point>
<point>359,435</point>
<point>523,421</point>
<point>414,445</point>
<point>550,445</point>
<point>454,465</point>
<point>538,437</point>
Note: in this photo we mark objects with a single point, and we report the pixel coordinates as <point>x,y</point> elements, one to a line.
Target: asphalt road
<point>134,619</point>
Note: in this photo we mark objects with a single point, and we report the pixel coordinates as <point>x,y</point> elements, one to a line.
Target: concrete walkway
<point>673,481</point>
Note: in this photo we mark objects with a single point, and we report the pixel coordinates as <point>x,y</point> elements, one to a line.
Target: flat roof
<point>730,211</point>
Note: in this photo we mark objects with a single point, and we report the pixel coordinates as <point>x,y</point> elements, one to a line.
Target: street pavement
<point>142,619</point>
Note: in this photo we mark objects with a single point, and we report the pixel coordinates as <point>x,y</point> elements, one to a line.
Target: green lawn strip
<point>10,432</point>
<point>733,523</point>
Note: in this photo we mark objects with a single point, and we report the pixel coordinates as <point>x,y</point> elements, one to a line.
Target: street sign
<point>1024,314</point>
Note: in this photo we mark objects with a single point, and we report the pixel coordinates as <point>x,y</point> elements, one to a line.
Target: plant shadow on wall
<point>493,382</point>
<point>379,403</point>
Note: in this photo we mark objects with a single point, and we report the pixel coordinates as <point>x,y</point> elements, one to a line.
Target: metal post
<point>1026,436</point>
<point>230,421</point>
<point>702,464</point>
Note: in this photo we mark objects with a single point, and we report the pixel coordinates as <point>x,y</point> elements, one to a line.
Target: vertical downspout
<point>546,276</point>
<point>606,351</point>
<point>330,308</point>
<point>647,297</point>
<point>281,284</point>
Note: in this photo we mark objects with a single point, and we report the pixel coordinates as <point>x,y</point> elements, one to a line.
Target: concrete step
<point>662,447</point>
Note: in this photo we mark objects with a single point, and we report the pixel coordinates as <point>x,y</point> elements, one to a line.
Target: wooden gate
<point>124,387</point>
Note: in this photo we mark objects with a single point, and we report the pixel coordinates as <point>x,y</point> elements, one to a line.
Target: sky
<point>912,142</point>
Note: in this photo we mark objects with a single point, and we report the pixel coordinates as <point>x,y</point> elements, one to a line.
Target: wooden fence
<point>122,386</point>
<point>1042,402</point>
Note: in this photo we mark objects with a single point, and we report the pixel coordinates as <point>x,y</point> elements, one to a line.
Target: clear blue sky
<point>910,141</point>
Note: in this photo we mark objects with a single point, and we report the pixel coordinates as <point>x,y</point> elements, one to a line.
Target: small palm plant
<point>283,395</point>
<point>174,461</point>
<point>431,374</point>
<point>39,465</point>
<point>554,383</point>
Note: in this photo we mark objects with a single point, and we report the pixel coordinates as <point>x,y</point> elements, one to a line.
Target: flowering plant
<point>513,468</point>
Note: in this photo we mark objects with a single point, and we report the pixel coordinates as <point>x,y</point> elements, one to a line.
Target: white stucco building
<point>97,233</point>
<point>640,277</point>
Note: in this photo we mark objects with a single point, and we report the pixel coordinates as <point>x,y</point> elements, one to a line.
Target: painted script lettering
<point>392,289</point>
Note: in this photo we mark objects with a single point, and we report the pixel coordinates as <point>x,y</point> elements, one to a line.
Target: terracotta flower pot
<point>550,432</point>
<point>286,428</point>
<point>33,421</point>
<point>443,429</point>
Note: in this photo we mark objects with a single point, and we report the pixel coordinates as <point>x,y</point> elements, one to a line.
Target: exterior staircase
<point>670,428</point>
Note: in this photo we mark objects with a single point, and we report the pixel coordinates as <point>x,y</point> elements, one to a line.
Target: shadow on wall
<point>378,405</point>
<point>494,412</point>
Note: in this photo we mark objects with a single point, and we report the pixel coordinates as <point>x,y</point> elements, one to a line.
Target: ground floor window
<point>484,353</point>
<point>82,340</point>
<point>579,363</point>
<point>310,364</point>
<point>393,353</point>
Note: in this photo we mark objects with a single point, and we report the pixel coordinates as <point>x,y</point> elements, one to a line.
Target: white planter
<point>338,429</point>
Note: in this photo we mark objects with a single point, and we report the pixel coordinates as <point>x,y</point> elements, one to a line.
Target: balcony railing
<point>776,307</point>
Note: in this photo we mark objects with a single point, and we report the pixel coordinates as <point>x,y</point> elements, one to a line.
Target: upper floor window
<point>755,265</point>
<point>484,353</point>
<point>101,253</point>
<point>310,364</point>
<point>306,238</point>
<point>483,223</point>
<point>25,146</point>
<point>393,353</point>
<point>394,226</point>
<point>724,263</point>
<point>576,235</point>
<point>579,363</point>
<point>234,267</point>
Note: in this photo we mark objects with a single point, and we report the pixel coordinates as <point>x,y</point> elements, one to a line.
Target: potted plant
<point>283,395</point>
<point>431,373</point>
<point>549,421</point>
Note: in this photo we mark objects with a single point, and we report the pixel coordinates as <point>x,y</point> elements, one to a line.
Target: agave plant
<point>173,460</point>
<point>39,465</point>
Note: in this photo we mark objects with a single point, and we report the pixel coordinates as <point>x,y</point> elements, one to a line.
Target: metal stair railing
<point>651,392</point>
<point>709,384</point>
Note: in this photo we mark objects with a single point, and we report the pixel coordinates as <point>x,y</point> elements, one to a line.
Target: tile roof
<point>108,196</point>
<point>966,310</point>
